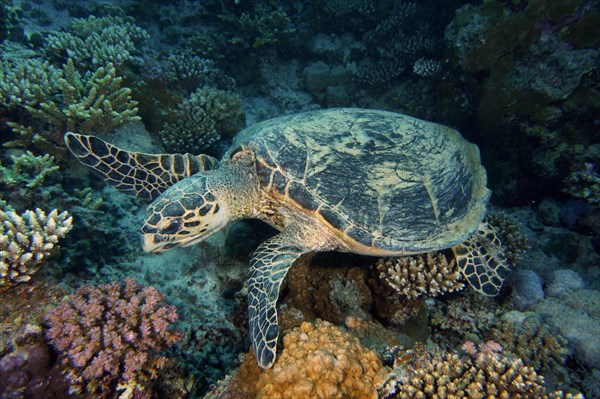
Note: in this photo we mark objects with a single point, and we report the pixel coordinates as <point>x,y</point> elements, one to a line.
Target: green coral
<point>201,119</point>
<point>92,102</point>
<point>260,28</point>
<point>26,82</point>
<point>584,182</point>
<point>29,170</point>
<point>93,42</point>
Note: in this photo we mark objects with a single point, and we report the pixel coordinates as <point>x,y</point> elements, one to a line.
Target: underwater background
<point>85,313</point>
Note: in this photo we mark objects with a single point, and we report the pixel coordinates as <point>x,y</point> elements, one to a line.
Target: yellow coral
<point>413,276</point>
<point>485,374</point>
<point>321,361</point>
<point>27,240</point>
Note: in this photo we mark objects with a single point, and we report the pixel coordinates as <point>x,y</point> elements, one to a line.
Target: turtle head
<point>185,214</point>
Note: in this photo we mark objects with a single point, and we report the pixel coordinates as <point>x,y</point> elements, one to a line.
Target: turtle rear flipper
<point>143,175</point>
<point>482,260</point>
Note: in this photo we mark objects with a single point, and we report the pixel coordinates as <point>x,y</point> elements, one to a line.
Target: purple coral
<point>107,335</point>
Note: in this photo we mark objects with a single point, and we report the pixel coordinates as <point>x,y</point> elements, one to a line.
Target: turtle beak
<point>153,243</point>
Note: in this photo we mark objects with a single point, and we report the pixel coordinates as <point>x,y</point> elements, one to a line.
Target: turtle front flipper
<point>268,267</point>
<point>482,260</point>
<point>143,175</point>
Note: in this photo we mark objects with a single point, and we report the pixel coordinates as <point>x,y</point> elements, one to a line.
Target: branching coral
<point>528,338</point>
<point>27,82</point>
<point>584,182</point>
<point>90,103</point>
<point>413,276</point>
<point>28,169</point>
<point>260,28</point>
<point>95,42</point>
<point>108,335</point>
<point>27,240</point>
<point>201,119</point>
<point>510,233</point>
<point>485,373</point>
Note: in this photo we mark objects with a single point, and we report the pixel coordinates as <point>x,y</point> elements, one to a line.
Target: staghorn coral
<point>27,82</point>
<point>27,240</point>
<point>318,361</point>
<point>28,169</point>
<point>108,335</point>
<point>94,42</point>
<point>484,373</point>
<point>91,102</point>
<point>413,276</point>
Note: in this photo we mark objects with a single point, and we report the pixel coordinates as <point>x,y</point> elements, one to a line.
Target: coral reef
<point>413,276</point>
<point>93,102</point>
<point>95,42</point>
<point>484,373</point>
<point>259,27</point>
<point>27,241</point>
<point>328,288</point>
<point>533,75</point>
<point>28,170</point>
<point>108,336</point>
<point>26,82</point>
<point>584,182</point>
<point>527,337</point>
<point>510,232</point>
<point>318,361</point>
<point>201,119</point>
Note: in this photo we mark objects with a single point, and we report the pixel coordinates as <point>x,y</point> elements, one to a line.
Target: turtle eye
<point>171,229</point>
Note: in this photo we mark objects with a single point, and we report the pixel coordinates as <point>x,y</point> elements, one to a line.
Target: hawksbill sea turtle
<point>354,180</point>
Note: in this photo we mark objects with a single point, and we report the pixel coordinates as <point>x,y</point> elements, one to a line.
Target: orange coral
<point>318,361</point>
<point>322,361</point>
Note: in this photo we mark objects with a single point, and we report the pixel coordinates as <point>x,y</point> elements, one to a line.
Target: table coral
<point>108,335</point>
<point>27,240</point>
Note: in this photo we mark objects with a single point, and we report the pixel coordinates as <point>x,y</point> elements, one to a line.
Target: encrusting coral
<point>27,240</point>
<point>108,335</point>
<point>413,276</point>
<point>318,361</point>
<point>483,373</point>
